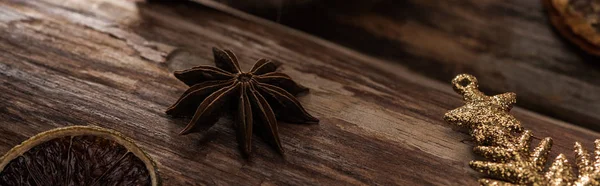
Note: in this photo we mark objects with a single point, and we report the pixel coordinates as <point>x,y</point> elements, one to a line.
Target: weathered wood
<point>511,45</point>
<point>109,63</point>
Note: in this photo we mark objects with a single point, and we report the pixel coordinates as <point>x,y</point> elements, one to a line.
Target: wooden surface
<point>510,45</point>
<point>110,62</point>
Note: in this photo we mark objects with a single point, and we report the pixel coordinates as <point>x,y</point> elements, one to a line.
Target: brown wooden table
<point>511,45</point>
<point>110,62</point>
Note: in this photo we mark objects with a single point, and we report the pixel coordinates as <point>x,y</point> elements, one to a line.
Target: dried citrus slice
<point>78,155</point>
<point>578,21</point>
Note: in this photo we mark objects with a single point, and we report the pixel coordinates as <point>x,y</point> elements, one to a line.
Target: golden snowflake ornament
<point>505,145</point>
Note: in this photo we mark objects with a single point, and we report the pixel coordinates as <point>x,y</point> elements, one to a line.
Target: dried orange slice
<point>578,21</point>
<point>78,155</point>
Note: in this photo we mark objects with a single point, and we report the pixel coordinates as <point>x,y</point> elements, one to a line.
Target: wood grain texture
<point>511,45</point>
<point>110,62</point>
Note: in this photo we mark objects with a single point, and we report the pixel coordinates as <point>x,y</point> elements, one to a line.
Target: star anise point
<point>257,94</point>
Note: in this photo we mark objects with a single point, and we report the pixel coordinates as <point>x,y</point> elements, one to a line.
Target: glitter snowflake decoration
<point>505,145</point>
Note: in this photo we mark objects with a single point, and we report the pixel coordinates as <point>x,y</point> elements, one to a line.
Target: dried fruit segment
<point>78,155</point>
<point>583,16</point>
<point>578,21</point>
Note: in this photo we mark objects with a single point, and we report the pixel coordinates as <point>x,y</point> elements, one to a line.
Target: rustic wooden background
<point>510,45</point>
<point>110,62</point>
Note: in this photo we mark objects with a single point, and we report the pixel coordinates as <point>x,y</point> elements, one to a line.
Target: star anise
<point>255,95</point>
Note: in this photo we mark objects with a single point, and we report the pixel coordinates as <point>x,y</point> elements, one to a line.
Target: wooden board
<point>110,62</point>
<point>511,45</point>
